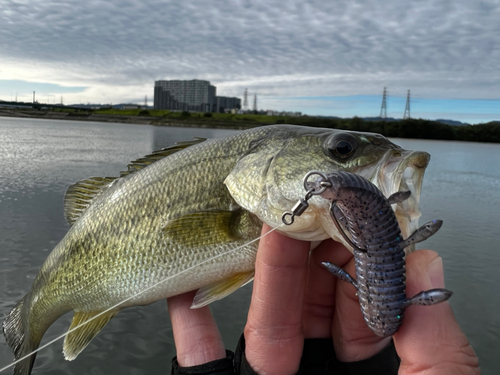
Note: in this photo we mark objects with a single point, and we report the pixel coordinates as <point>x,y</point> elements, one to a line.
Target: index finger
<point>430,340</point>
<point>273,334</point>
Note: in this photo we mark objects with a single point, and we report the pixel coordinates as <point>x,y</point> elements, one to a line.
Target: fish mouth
<point>403,170</point>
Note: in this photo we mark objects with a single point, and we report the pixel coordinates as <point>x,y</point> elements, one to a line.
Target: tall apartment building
<point>194,95</point>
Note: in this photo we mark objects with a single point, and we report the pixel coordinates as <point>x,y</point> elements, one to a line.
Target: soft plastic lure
<point>366,220</point>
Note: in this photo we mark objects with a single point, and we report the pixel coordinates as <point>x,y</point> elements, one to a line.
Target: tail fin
<point>18,336</point>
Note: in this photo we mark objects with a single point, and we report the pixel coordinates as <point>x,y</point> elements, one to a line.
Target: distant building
<point>271,112</point>
<point>194,95</point>
<point>226,104</point>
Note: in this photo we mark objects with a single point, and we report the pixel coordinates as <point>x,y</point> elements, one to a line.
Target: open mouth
<point>402,171</point>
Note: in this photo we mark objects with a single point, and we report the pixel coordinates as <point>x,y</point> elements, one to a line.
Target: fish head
<point>268,179</point>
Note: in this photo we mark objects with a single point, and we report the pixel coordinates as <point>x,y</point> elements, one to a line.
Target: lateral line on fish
<point>133,296</point>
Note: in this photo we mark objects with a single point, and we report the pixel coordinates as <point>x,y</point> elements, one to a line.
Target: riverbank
<point>408,128</point>
<point>188,121</point>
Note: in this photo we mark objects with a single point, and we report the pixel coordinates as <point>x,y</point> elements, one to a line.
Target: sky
<point>330,58</point>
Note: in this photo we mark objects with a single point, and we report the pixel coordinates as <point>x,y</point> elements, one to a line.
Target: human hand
<point>295,298</point>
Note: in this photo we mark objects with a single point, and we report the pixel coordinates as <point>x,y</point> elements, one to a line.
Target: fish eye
<point>341,146</point>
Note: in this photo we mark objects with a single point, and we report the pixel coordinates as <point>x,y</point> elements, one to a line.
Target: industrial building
<point>193,95</point>
<point>226,104</point>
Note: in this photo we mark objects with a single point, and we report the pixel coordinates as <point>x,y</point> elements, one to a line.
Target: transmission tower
<point>383,109</point>
<point>245,100</point>
<point>407,108</point>
<point>146,101</point>
<point>255,103</point>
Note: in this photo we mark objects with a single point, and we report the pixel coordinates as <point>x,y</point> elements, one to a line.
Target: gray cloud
<point>295,48</point>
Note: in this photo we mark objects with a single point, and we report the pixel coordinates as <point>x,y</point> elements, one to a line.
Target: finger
<point>319,300</point>
<point>273,333</point>
<point>197,339</point>
<point>352,339</point>
<point>430,340</point>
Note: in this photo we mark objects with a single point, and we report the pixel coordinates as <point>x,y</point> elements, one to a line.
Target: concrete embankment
<point>139,120</point>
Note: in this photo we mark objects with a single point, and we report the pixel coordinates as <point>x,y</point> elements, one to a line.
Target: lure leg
<point>399,196</point>
<point>340,273</point>
<point>422,233</point>
<point>429,297</point>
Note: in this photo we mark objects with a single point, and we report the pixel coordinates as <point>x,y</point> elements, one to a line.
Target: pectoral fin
<point>205,228</point>
<point>219,290</point>
<point>78,339</point>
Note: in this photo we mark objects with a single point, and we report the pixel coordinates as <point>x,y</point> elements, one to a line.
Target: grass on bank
<point>410,128</point>
<point>190,115</point>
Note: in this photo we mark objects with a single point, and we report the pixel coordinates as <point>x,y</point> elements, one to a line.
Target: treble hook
<point>302,204</point>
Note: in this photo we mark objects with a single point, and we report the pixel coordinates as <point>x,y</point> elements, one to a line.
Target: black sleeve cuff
<point>318,358</point>
<point>386,362</point>
<point>218,367</point>
<point>241,366</point>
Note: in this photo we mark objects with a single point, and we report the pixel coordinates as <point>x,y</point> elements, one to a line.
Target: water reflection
<point>40,159</point>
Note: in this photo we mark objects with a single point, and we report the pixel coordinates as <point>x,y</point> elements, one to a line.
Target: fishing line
<point>135,295</point>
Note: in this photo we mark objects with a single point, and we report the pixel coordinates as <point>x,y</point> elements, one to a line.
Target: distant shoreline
<point>393,128</point>
<point>124,119</point>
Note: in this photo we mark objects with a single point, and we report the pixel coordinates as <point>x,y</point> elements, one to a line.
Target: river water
<point>39,159</point>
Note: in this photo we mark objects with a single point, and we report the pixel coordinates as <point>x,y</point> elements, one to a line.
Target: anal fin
<point>221,289</point>
<point>78,339</point>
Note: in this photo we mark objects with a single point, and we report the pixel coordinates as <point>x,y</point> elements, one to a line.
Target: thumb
<point>430,340</point>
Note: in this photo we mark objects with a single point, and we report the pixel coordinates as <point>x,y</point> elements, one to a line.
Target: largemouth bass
<point>177,214</point>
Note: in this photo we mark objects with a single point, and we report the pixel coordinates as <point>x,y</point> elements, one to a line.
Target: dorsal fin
<point>80,196</point>
<point>138,164</point>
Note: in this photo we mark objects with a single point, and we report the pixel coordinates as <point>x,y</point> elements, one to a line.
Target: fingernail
<point>436,273</point>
